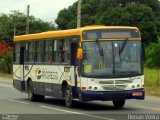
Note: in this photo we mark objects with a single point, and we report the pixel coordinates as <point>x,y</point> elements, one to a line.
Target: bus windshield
<point>118,58</point>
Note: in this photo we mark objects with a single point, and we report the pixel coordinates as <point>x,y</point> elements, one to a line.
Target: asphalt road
<point>15,105</point>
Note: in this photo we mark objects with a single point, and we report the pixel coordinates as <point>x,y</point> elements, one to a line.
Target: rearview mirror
<point>79,53</point>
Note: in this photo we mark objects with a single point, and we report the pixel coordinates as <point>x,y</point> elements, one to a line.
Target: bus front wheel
<point>68,96</point>
<point>118,103</point>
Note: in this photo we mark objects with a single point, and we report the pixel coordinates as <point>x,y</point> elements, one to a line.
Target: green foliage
<point>152,55</point>
<point>6,64</point>
<point>145,14</point>
<point>17,20</point>
<point>67,17</point>
<point>63,17</point>
<point>152,76</point>
<point>140,15</point>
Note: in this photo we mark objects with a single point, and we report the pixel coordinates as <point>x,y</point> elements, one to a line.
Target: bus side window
<point>26,51</point>
<point>65,53</point>
<point>39,51</point>
<point>48,51</point>
<point>56,53</point>
<point>16,53</point>
<point>31,52</point>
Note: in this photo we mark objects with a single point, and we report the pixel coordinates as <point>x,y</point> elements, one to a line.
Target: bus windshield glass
<point>118,57</point>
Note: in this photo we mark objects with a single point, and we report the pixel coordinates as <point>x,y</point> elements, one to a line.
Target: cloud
<point>45,9</point>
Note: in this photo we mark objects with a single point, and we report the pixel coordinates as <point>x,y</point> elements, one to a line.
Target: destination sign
<point>111,33</point>
<point>125,34</point>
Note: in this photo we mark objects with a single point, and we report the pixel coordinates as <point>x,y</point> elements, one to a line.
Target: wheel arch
<point>28,80</point>
<point>63,86</point>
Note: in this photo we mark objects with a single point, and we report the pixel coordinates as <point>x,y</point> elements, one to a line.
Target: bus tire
<point>118,103</point>
<point>40,97</point>
<point>68,96</point>
<point>32,97</point>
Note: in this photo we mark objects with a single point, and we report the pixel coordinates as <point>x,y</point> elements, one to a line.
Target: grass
<point>4,75</point>
<point>152,81</point>
<point>152,91</point>
<point>152,77</point>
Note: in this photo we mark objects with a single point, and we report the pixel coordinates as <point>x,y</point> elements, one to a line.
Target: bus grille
<point>114,85</point>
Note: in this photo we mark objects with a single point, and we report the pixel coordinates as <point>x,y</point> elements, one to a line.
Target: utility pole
<point>27,23</point>
<point>14,30</point>
<point>79,14</point>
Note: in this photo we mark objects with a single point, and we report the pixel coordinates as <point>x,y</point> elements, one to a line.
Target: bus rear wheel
<point>68,96</point>
<point>34,97</point>
<point>118,103</point>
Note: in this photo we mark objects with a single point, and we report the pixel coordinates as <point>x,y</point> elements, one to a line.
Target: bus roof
<point>65,33</point>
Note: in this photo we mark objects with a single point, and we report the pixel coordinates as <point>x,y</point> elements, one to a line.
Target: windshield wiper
<point>123,46</point>
<point>100,49</point>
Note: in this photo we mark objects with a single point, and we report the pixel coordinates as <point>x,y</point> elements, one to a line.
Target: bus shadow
<point>86,106</point>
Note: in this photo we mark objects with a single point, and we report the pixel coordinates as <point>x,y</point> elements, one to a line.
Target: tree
<point>5,57</point>
<point>63,17</point>
<point>152,55</point>
<point>154,4</point>
<point>67,17</point>
<point>140,16</point>
<point>17,20</point>
<point>4,48</point>
<point>141,13</point>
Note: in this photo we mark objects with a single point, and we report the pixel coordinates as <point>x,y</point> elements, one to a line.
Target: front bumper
<point>112,95</point>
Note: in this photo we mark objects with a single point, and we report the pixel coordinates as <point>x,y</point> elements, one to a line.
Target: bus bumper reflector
<point>137,94</point>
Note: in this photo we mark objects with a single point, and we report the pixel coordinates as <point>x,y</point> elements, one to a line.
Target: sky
<point>46,10</point>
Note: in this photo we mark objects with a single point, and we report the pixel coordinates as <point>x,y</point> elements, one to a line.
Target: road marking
<point>17,101</point>
<point>148,108</point>
<point>94,116</point>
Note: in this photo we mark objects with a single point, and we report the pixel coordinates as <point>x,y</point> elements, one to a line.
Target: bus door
<point>22,49</point>
<point>74,47</point>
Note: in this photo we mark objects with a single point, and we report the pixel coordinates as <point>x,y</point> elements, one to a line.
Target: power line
<point>24,11</point>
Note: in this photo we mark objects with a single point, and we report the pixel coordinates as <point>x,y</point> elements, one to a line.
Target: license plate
<point>137,94</point>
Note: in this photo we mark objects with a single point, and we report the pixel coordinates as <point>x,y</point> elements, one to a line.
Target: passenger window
<point>48,51</point>
<point>65,53</point>
<point>57,49</point>
<point>16,58</point>
<point>39,51</point>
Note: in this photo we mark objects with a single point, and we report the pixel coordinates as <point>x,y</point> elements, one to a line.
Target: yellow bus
<point>89,63</point>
